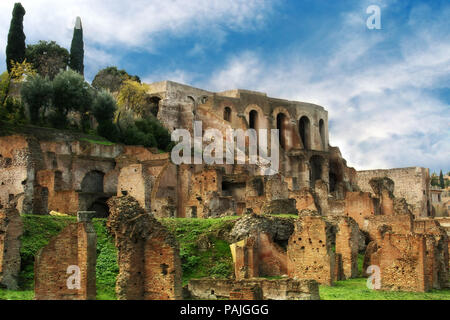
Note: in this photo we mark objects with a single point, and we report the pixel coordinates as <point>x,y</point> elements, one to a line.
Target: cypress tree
<point>77,49</point>
<point>15,49</point>
<point>441,180</point>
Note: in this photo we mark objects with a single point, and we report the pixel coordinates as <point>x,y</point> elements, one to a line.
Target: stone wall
<point>75,246</point>
<point>283,289</point>
<point>309,252</point>
<point>148,255</point>
<point>11,229</point>
<point>410,183</point>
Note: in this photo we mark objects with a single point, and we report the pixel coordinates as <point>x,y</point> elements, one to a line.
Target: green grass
<point>203,249</point>
<point>95,141</point>
<point>356,289</point>
<point>38,230</point>
<point>16,295</point>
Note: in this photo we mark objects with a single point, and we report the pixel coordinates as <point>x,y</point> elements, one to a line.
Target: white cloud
<point>382,114</point>
<point>133,23</point>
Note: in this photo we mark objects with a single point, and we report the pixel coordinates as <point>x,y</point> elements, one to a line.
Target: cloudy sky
<point>387,91</point>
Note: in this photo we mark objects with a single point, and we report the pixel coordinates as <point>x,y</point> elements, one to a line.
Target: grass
<point>38,230</point>
<point>94,141</point>
<point>203,250</point>
<point>356,289</point>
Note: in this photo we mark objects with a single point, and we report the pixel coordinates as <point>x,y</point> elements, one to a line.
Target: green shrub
<point>37,93</point>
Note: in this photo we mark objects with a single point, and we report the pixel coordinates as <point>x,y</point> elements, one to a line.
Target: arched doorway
<point>322,133</point>
<point>227,114</point>
<point>305,132</point>
<point>100,207</point>
<point>282,127</point>
<point>315,170</point>
<point>253,120</point>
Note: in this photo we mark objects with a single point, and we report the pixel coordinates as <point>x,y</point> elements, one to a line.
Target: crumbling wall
<point>282,289</point>
<point>11,229</point>
<point>402,259</point>
<point>360,205</point>
<point>56,268</point>
<point>310,255</point>
<point>410,183</point>
<point>347,245</point>
<point>148,255</point>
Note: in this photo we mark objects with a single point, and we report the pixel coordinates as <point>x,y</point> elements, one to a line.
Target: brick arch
<point>262,122</point>
<point>305,132</point>
<point>282,122</point>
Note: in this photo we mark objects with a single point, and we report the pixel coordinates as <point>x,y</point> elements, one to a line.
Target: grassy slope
<point>356,289</point>
<point>203,250</point>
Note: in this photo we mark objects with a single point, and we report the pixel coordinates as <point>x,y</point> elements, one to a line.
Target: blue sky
<point>387,91</point>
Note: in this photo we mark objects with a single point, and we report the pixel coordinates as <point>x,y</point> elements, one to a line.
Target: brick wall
<point>309,251</point>
<point>11,229</point>
<point>410,183</point>
<point>74,246</point>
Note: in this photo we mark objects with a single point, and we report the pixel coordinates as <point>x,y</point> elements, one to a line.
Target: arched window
<point>227,114</point>
<point>322,133</point>
<point>253,119</point>
<point>281,126</point>
<point>316,170</point>
<point>93,182</point>
<point>305,134</point>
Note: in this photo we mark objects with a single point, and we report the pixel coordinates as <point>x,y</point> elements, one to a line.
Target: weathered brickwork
<point>309,251</point>
<point>283,289</point>
<point>258,256</point>
<point>75,246</point>
<point>347,245</point>
<point>403,262</point>
<point>148,255</point>
<point>410,183</point>
<point>11,229</point>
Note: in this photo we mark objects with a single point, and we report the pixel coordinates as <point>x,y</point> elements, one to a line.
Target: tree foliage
<point>37,93</point>
<point>22,70</point>
<point>48,58</point>
<point>76,61</point>
<point>15,49</point>
<point>70,93</point>
<point>133,96</point>
<point>112,79</point>
<point>441,180</point>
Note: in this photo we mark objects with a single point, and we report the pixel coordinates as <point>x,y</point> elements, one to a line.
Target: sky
<point>387,90</point>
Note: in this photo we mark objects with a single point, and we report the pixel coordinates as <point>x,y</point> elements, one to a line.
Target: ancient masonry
<point>385,214</point>
<point>148,255</point>
<point>65,268</point>
<point>11,229</point>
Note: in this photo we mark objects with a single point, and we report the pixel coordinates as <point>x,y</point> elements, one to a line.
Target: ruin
<point>11,229</point>
<point>65,268</point>
<point>251,289</point>
<point>336,211</point>
<point>148,255</point>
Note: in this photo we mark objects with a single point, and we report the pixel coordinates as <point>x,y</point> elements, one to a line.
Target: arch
<point>100,207</point>
<point>315,172</point>
<point>154,105</point>
<point>304,127</point>
<point>322,133</point>
<point>282,120</point>
<point>253,119</point>
<point>93,182</point>
<point>227,114</point>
